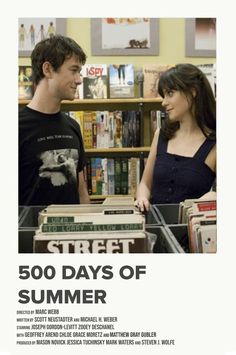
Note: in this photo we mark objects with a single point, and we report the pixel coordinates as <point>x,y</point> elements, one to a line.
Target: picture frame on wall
<point>200,37</point>
<point>33,30</point>
<point>125,36</point>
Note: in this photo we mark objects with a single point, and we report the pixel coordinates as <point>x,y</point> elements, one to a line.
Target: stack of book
<point>210,71</point>
<point>110,176</point>
<point>91,229</point>
<point>109,129</point>
<point>200,216</point>
<point>25,84</point>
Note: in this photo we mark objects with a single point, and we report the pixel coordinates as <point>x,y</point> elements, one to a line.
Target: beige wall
<point>172,44</point>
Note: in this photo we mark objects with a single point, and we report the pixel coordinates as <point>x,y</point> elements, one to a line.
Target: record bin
<point>28,224</point>
<point>172,237</point>
<point>161,221</point>
<point>167,213</point>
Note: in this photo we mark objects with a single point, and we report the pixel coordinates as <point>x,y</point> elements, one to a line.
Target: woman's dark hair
<point>54,50</point>
<point>193,83</point>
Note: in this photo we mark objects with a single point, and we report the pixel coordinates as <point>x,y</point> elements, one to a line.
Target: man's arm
<point>83,192</point>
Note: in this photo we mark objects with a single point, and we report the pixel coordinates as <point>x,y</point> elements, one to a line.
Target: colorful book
<point>79,117</point>
<point>124,176</point>
<point>152,73</point>
<point>94,81</point>
<point>25,84</point>
<point>79,93</point>
<point>118,129</point>
<point>121,80</point>
<point>117,167</point>
<point>111,176</point>
<point>210,71</point>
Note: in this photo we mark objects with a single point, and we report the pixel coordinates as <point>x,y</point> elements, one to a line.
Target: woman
<point>182,160</point>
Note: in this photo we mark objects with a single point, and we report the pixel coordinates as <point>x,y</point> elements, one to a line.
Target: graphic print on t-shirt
<point>59,166</point>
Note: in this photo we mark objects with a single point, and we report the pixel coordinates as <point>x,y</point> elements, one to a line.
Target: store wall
<point>172,45</point>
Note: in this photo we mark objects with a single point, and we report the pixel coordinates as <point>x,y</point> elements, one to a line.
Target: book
<point>88,118</point>
<point>111,176</point>
<point>121,80</point>
<point>135,117</point>
<point>210,71</point>
<point>25,84</point>
<point>125,129</point>
<point>103,135</point>
<point>117,168</point>
<point>94,81</point>
<point>111,133</point>
<point>79,117</point>
<point>124,176</point>
<point>104,177</point>
<point>94,175</point>
<point>89,175</point>
<point>156,120</point>
<point>152,73</point>
<point>118,129</point>
<point>133,177</point>
<point>79,93</point>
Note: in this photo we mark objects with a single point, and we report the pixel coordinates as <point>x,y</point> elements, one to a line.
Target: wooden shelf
<point>105,104</point>
<point>118,150</point>
<point>83,102</point>
<point>143,105</point>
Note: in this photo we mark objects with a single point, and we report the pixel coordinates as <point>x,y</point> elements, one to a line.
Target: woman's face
<point>176,104</point>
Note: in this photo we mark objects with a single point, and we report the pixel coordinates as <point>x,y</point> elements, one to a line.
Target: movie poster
<point>109,303</point>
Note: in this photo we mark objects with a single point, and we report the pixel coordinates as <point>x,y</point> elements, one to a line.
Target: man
<point>51,153</point>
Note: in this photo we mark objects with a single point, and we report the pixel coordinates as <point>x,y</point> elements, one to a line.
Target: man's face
<point>65,80</point>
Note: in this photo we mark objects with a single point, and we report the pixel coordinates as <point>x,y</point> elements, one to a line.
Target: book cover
<point>79,117</point>
<point>210,71</point>
<point>125,129</point>
<point>88,119</point>
<point>118,129</point>
<point>117,169</point>
<point>25,84</point>
<point>102,121</point>
<point>133,175</point>
<point>152,73</point>
<point>89,175</point>
<point>94,81</point>
<point>135,118</point>
<point>111,176</point>
<point>124,176</point>
<point>156,120</point>
<point>79,93</point>
<point>121,80</point>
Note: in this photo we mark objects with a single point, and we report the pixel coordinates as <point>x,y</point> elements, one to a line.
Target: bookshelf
<point>144,105</point>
